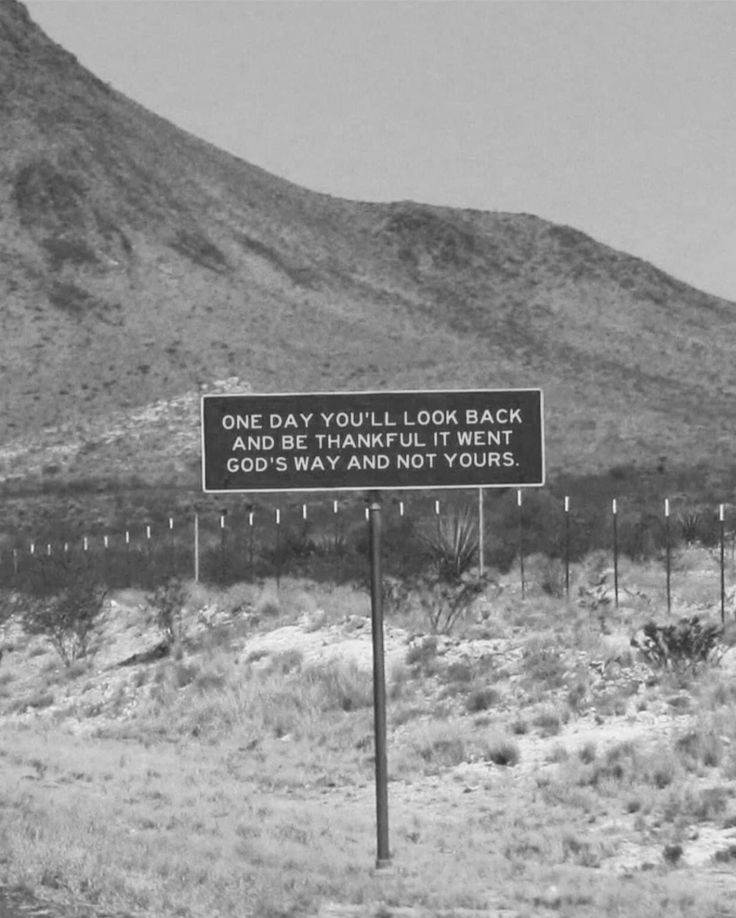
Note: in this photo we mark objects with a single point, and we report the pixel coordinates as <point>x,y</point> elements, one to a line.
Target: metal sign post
<point>383,857</point>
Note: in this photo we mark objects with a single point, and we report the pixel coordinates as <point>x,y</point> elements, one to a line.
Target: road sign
<point>373,440</point>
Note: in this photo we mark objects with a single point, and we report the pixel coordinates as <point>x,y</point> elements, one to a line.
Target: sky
<point>616,118</point>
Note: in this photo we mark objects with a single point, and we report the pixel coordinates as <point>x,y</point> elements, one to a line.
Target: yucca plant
<point>690,525</point>
<point>453,547</point>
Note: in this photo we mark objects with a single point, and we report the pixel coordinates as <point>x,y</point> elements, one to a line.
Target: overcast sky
<point>616,118</point>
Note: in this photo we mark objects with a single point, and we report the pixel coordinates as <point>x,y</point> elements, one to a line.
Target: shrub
<point>443,602</point>
<point>458,672</point>
<point>342,686</point>
<point>587,753</point>
<point>543,666</point>
<point>699,746</point>
<point>625,764</point>
<point>548,574</point>
<point>481,699</point>
<point>502,751</point>
<point>423,654</point>
<point>68,618</point>
<point>441,745</point>
<point>168,600</point>
<point>679,647</point>
<point>549,720</point>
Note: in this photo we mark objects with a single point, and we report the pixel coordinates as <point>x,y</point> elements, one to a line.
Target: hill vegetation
<point>140,264</point>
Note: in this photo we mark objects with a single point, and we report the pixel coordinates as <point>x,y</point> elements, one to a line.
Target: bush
<point>481,699</point>
<point>679,647</point>
<point>68,618</point>
<point>502,751</point>
<point>443,602</point>
<point>168,600</point>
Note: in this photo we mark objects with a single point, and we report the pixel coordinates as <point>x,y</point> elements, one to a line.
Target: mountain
<point>138,264</point>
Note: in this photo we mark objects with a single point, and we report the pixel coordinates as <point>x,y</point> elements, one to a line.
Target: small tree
<point>67,618</point>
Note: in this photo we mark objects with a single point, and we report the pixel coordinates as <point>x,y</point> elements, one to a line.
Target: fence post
<point>722,541</point>
<point>668,557</point>
<point>172,549</point>
<point>127,559</point>
<point>196,547</point>
<point>567,547</point>
<point>481,546</point>
<point>521,542</point>
<point>614,509</point>
<point>222,548</point>
<point>149,561</point>
<point>250,545</point>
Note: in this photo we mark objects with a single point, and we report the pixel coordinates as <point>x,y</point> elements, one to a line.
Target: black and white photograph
<point>367,458</point>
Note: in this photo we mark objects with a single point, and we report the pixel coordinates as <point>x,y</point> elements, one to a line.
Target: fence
<point>327,539</point>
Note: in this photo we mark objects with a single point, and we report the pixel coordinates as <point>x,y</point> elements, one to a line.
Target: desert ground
<point>538,763</point>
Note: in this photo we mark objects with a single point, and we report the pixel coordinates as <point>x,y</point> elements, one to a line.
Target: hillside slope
<point>138,263</point>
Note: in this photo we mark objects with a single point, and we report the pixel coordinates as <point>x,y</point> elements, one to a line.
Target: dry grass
<point>246,788</point>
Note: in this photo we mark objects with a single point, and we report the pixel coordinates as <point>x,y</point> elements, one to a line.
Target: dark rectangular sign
<point>373,440</point>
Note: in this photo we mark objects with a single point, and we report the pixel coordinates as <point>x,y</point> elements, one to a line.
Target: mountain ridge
<point>141,263</point>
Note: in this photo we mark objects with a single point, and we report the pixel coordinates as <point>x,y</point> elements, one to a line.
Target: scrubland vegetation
<point>221,761</point>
